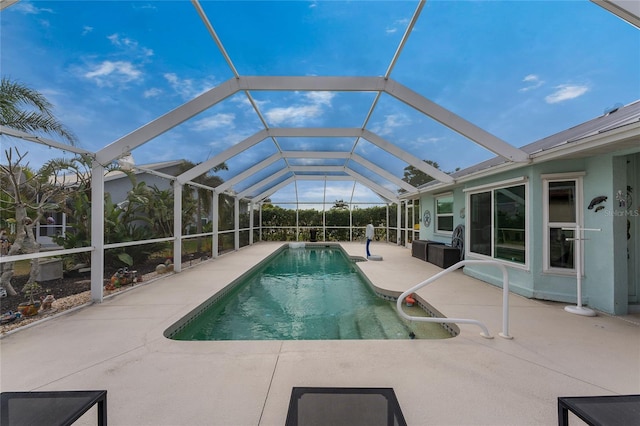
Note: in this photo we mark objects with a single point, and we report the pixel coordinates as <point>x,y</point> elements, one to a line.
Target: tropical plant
<point>31,194</point>
<point>417,177</point>
<point>203,196</point>
<point>25,109</point>
<point>31,290</point>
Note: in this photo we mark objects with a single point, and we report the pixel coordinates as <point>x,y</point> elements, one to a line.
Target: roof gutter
<point>619,134</point>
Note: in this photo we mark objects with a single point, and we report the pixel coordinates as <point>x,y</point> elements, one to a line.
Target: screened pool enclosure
<point>296,166</point>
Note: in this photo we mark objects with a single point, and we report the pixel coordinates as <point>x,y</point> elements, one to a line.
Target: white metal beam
<point>250,171</point>
<point>405,156</point>
<point>214,35</point>
<point>382,172</point>
<point>273,189</point>
<point>4,130</point>
<point>455,122</point>
<point>312,132</point>
<point>384,193</point>
<point>332,155</point>
<point>292,83</point>
<point>97,232</point>
<point>317,169</point>
<point>629,10</point>
<point>236,149</point>
<point>6,3</point>
<point>262,183</point>
<point>166,122</point>
<point>321,171</point>
<point>371,137</point>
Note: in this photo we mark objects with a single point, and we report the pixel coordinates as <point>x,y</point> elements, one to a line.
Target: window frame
<point>491,189</point>
<point>576,177</point>
<point>437,216</point>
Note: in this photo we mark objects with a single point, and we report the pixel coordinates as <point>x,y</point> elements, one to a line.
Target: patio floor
<point>118,345</point>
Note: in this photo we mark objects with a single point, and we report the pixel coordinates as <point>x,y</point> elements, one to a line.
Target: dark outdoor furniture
<point>420,248</point>
<point>344,407</point>
<point>443,255</point>
<point>613,410</point>
<point>50,408</point>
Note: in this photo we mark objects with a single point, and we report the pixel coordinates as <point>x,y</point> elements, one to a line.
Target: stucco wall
<point>604,284</point>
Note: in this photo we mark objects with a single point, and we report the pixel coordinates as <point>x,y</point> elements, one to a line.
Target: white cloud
<point>243,101</point>
<point>565,92</point>
<point>320,98</point>
<point>301,114</point>
<point>294,114</point>
<point>390,123</point>
<point>86,29</point>
<point>398,23</point>
<point>532,81</point>
<point>30,8</point>
<point>432,140</point>
<point>215,122</point>
<point>130,45</point>
<point>152,93</point>
<point>187,88</point>
<point>110,73</point>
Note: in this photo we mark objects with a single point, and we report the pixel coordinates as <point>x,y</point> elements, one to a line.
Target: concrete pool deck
<point>119,345</point>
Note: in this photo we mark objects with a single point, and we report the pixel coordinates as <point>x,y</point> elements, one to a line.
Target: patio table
<point>601,410</point>
<point>50,408</point>
<point>310,406</point>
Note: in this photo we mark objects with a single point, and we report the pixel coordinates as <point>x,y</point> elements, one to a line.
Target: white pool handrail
<point>485,332</point>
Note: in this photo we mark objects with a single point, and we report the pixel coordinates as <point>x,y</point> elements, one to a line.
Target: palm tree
<point>24,109</point>
<point>204,201</point>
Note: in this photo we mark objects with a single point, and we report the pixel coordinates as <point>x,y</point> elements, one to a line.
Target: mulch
<point>70,284</point>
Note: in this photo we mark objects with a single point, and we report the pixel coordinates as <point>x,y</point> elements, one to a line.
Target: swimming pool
<point>306,293</point>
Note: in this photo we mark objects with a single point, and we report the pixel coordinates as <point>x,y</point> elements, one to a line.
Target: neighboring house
<point>522,214</point>
<point>117,184</point>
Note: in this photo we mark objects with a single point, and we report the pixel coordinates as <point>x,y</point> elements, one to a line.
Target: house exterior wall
<point>120,186</point>
<point>605,279</point>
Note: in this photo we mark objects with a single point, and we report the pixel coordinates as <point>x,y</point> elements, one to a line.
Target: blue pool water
<point>312,293</point>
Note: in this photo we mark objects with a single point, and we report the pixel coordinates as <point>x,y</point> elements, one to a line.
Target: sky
<point>521,70</point>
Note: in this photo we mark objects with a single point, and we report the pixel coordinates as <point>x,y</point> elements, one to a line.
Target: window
<point>444,213</point>
<point>497,223</point>
<point>562,195</point>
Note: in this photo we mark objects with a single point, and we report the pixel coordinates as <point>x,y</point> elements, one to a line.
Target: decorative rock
<point>47,302</point>
<point>161,268</point>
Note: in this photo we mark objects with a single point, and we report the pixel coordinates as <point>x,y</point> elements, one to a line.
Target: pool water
<point>311,293</point>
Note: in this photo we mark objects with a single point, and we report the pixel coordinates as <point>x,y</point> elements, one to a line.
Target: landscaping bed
<point>73,290</point>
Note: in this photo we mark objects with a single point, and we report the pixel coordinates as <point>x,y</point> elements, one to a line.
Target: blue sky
<point>521,70</point>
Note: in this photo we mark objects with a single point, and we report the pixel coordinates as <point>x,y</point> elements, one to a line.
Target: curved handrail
<point>485,332</point>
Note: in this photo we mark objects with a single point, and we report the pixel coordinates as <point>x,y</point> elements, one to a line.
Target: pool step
<point>347,328</point>
<point>392,325</point>
<point>369,325</point>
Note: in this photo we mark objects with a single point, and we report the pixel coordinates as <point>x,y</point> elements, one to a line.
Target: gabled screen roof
<point>313,97</point>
